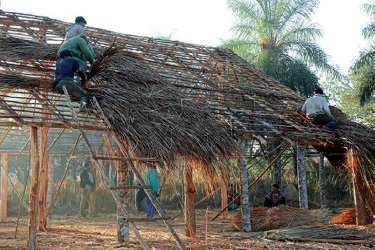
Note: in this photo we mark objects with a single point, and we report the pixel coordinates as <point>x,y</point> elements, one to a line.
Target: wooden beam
<point>124,158</point>
<point>190,191</point>
<point>148,220</point>
<point>323,199</point>
<point>224,197</point>
<point>302,179</point>
<point>359,200</point>
<point>4,187</point>
<point>33,197</point>
<point>245,200</point>
<point>43,175</point>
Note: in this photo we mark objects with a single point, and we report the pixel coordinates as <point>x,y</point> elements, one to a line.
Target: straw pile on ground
<point>347,217</point>
<point>263,218</point>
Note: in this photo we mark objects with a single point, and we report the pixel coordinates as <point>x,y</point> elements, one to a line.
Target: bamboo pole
<point>4,187</point>
<point>33,197</point>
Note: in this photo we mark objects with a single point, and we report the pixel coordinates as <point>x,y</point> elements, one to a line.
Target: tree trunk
<point>224,198</point>
<point>323,199</point>
<point>51,167</point>
<point>33,197</point>
<point>277,166</point>
<point>123,180</point>
<point>190,225</point>
<point>43,177</point>
<point>245,201</point>
<point>302,181</point>
<point>359,200</point>
<point>4,187</point>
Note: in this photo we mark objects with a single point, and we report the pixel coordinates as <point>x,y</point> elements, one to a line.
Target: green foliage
<point>276,34</point>
<point>362,70</point>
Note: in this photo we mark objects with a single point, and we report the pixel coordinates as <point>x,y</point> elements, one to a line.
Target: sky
<point>204,22</point>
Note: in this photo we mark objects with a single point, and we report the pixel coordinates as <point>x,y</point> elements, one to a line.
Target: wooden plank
<point>4,187</point>
<point>130,187</point>
<point>33,197</point>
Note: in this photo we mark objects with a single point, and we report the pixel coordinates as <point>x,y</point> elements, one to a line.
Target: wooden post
<point>245,201</point>
<point>33,197</point>
<point>43,178</point>
<point>302,181</point>
<point>190,225</point>
<point>51,167</point>
<point>224,198</point>
<point>4,187</point>
<point>323,199</point>
<point>123,180</point>
<point>277,166</point>
<point>359,200</point>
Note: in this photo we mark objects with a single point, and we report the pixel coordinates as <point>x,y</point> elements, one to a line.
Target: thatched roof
<point>247,103</point>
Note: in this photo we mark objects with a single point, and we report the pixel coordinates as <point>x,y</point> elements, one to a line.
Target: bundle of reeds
<point>263,218</point>
<point>347,217</point>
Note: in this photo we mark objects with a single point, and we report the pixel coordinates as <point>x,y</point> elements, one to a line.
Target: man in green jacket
<point>80,51</point>
<point>87,186</point>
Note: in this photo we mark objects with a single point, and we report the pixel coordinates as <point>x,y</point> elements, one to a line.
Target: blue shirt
<point>152,179</point>
<point>65,68</point>
<point>270,194</point>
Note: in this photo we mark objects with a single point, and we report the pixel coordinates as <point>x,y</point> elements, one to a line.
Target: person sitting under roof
<point>316,108</point>
<point>275,197</point>
<point>80,51</point>
<point>78,29</point>
<point>66,65</point>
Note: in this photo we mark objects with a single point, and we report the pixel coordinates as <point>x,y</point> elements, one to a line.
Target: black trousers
<point>326,120</point>
<point>269,203</point>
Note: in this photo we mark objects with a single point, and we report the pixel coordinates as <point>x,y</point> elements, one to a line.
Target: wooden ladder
<point>99,165</point>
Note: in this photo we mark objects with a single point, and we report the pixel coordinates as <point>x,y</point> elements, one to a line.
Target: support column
<point>190,225</point>
<point>43,177</point>
<point>277,166</point>
<point>359,200</point>
<point>224,197</point>
<point>33,197</point>
<point>51,165</point>
<point>245,201</point>
<point>4,187</point>
<point>302,181</point>
<point>323,199</point>
<point>123,194</point>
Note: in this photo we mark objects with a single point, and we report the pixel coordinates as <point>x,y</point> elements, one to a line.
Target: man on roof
<point>80,50</point>
<point>316,108</point>
<point>78,29</point>
<point>66,66</point>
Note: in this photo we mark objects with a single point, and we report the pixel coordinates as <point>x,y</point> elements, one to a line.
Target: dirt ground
<point>100,233</point>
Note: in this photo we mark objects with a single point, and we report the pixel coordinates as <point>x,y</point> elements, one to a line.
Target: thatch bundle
<point>153,115</point>
<point>347,217</point>
<point>263,218</point>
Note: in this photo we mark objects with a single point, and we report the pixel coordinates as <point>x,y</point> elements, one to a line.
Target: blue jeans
<point>150,208</point>
<point>82,65</point>
<point>73,89</point>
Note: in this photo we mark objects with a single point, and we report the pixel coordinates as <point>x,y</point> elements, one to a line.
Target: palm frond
<point>369,30</point>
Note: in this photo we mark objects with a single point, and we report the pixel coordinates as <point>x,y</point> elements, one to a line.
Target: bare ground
<point>100,233</point>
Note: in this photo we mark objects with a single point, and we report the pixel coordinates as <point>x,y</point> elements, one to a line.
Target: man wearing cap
<point>66,66</point>
<point>316,108</point>
<point>78,29</point>
<point>87,186</point>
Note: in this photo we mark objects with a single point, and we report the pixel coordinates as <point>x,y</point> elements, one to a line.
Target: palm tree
<point>363,68</point>
<point>273,34</point>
